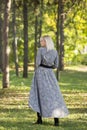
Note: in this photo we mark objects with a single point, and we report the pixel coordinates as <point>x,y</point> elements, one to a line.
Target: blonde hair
<point>49,42</point>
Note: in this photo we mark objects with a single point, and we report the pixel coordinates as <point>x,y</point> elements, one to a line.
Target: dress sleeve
<point>38,58</point>
<point>56,62</point>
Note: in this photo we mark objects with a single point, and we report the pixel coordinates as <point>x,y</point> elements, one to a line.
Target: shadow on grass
<point>22,119</point>
<point>22,111</point>
<point>10,92</point>
<point>78,110</point>
<point>28,125</point>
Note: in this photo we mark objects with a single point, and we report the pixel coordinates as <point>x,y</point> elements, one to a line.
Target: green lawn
<point>14,111</point>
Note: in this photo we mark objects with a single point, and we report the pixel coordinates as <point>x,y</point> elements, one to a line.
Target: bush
<point>80,59</point>
<point>84,59</point>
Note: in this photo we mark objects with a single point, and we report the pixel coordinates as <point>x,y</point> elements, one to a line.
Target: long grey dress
<point>45,96</point>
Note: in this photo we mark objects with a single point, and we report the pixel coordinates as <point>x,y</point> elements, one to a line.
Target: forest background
<point>64,20</point>
<point>22,23</point>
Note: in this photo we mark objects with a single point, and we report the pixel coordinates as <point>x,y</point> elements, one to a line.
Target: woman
<point>45,96</point>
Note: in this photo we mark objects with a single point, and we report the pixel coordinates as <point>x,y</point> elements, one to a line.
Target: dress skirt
<point>45,95</point>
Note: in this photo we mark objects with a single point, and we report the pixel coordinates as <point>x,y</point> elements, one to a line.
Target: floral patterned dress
<point>45,95</point>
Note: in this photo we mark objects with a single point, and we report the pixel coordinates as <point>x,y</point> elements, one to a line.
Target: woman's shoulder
<point>54,51</point>
<point>41,48</point>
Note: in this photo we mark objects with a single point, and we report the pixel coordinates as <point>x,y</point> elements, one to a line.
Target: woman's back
<point>49,58</point>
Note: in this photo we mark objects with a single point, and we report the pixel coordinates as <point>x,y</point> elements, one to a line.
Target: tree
<point>41,19</point>
<point>25,18</point>
<point>1,22</point>
<point>5,44</point>
<point>60,34</point>
<point>57,37</point>
<point>0,44</point>
<point>38,27</point>
<point>35,44</point>
<point>15,39</point>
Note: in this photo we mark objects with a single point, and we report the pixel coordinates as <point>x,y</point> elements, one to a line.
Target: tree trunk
<point>25,16</point>
<point>0,44</point>
<point>57,39</point>
<point>41,15</point>
<point>5,45</point>
<point>35,45</point>
<point>15,40</point>
<point>61,31</point>
<point>38,29</point>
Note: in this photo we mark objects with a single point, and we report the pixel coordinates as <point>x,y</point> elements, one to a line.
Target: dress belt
<point>46,66</point>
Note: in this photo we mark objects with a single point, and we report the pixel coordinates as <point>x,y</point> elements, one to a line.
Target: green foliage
<point>75,31</point>
<point>14,111</point>
<point>80,58</point>
<point>75,27</point>
<point>84,59</point>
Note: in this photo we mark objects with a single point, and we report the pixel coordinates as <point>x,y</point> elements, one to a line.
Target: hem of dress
<point>55,116</point>
<point>49,116</point>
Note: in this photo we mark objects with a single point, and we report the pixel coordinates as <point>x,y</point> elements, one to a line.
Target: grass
<point>14,111</point>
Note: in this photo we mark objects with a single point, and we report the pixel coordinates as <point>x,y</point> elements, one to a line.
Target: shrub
<point>80,59</point>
